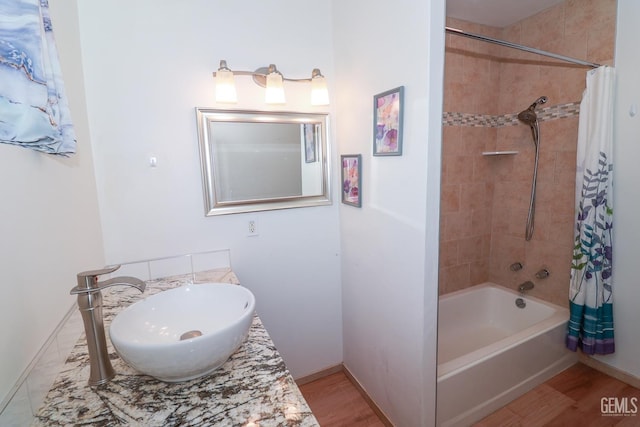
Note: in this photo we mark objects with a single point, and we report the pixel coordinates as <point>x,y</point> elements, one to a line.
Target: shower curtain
<point>33,106</point>
<point>590,325</point>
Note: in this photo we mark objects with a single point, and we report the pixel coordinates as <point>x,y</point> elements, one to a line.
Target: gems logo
<point>619,407</point>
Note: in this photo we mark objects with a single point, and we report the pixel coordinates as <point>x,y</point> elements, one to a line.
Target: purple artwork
<point>388,123</point>
<point>351,180</point>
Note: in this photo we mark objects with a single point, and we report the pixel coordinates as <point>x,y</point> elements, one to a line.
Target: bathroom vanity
<point>253,388</point>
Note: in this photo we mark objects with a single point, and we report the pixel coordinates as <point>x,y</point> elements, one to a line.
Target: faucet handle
<point>516,266</point>
<point>99,272</point>
<point>542,274</point>
<point>89,279</point>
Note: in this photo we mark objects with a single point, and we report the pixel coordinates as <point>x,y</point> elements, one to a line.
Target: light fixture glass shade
<point>319,92</point>
<point>274,93</point>
<point>225,87</point>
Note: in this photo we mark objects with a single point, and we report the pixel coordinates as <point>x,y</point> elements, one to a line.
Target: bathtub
<point>490,351</point>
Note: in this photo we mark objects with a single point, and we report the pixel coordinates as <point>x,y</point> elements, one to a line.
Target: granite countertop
<point>253,388</point>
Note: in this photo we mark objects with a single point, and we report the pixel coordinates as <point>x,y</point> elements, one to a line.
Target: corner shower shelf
<point>498,153</point>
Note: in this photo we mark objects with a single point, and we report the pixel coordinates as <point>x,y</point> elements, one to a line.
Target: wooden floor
<point>571,398</point>
<point>336,402</point>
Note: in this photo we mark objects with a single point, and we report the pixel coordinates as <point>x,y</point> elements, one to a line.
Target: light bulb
<point>319,92</point>
<point>274,93</point>
<point>225,85</point>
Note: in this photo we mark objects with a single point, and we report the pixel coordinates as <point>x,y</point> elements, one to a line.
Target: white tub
<point>490,351</point>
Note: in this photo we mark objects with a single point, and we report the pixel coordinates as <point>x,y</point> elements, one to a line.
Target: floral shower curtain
<point>33,107</point>
<point>590,325</point>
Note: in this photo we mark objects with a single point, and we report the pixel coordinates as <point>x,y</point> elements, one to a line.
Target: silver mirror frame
<point>214,207</point>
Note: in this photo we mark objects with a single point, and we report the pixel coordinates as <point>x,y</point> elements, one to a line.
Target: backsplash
<point>29,392</point>
<point>553,112</point>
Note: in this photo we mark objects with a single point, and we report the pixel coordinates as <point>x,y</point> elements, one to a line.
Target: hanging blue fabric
<point>34,111</point>
<point>590,325</point>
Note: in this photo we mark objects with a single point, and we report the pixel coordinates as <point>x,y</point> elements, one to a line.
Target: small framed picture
<point>387,122</point>
<point>309,142</point>
<point>351,179</point>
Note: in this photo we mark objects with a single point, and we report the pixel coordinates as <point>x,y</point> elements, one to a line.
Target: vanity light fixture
<point>225,85</point>
<point>274,91</point>
<point>271,79</point>
<point>319,92</point>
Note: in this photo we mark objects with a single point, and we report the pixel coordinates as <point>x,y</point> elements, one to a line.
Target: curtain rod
<point>519,47</point>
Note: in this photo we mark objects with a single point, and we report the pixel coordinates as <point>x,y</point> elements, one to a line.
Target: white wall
<point>389,264</point>
<point>147,65</point>
<point>49,223</point>
<point>626,293</point>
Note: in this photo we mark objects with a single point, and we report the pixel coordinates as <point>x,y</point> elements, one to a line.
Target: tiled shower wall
<point>485,198</point>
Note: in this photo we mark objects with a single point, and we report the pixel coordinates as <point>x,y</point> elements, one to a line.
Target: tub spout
<point>526,286</point>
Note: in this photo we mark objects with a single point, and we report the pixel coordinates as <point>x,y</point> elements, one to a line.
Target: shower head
<point>529,116</point>
<point>541,100</point>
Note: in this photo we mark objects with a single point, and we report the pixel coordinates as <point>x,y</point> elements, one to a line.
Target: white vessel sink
<point>183,333</point>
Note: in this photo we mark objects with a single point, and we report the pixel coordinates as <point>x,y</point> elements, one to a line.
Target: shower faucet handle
<point>542,274</point>
<point>516,266</point>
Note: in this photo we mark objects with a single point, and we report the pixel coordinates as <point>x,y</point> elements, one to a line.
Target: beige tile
<point>541,29</point>
<point>481,221</point>
<point>512,32</point>
<point>546,164</point>
<point>451,145</point>
<point>482,167</point>
<point>573,44</point>
<point>565,167</point>
<point>457,225</point>
<point>476,69</point>
<point>599,42</point>
<point>505,250</point>
<point>458,96</point>
<point>453,66</point>
<point>479,271</point>
<point>502,166</point>
<point>513,137</point>
<point>459,169</point>
<point>474,196</point>
<point>474,248</point>
<point>512,195</point>
<point>524,162</point>
<point>476,139</point>
<point>450,198</point>
<point>455,278</point>
<point>582,14</point>
<point>564,131</point>
<point>448,253</point>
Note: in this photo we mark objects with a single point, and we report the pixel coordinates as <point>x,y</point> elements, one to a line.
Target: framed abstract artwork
<point>351,166</point>
<point>387,122</point>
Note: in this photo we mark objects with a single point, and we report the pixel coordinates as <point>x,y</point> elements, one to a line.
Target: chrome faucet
<point>90,305</point>
<point>526,286</point>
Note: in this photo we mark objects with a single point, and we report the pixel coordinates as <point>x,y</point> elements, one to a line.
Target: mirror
<point>259,160</point>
